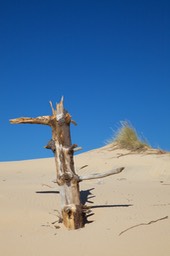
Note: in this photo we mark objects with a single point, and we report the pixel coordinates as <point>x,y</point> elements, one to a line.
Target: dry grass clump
<point>127,138</point>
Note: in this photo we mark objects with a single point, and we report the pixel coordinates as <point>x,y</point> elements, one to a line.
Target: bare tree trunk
<point>67,179</point>
<point>72,210</point>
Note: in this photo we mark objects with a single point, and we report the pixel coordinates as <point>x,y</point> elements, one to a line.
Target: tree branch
<point>77,149</point>
<point>53,110</point>
<point>101,175</point>
<point>29,120</point>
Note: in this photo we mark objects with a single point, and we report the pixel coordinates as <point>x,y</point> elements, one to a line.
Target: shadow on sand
<point>85,195</point>
<point>47,192</point>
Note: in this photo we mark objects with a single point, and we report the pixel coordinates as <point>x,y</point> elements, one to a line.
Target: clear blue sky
<point>110,59</point>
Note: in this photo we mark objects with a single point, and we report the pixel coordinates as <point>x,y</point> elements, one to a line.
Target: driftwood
<point>72,211</point>
<point>143,224</point>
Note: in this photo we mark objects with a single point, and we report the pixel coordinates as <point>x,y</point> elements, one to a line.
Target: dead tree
<point>72,211</point>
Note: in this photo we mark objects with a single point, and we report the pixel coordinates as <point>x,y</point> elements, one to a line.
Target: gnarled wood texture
<point>72,210</point>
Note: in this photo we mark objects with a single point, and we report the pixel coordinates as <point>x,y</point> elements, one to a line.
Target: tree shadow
<point>110,205</point>
<point>85,195</point>
<point>47,192</point>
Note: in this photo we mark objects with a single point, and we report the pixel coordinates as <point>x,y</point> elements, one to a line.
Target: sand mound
<point>129,209</point>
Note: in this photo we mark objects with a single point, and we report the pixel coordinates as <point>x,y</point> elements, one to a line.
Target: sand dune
<point>130,209</point>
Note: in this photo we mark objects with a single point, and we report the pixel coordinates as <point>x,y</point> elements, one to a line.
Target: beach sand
<point>130,212</point>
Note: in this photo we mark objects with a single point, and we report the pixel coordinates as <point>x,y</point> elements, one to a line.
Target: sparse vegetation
<point>126,137</point>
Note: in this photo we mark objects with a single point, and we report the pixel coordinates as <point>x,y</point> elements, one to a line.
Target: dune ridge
<point>140,194</point>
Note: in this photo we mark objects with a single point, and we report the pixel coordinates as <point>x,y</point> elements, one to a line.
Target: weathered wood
<point>101,175</point>
<point>29,120</point>
<point>72,211</point>
<point>67,179</point>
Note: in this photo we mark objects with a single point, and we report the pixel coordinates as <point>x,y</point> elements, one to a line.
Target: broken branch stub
<point>72,210</point>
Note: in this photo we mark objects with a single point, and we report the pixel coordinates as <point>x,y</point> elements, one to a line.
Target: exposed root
<point>142,224</point>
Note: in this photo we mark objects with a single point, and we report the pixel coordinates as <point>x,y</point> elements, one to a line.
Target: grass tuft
<point>127,138</point>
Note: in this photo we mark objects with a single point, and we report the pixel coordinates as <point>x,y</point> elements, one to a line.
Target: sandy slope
<point>140,194</point>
